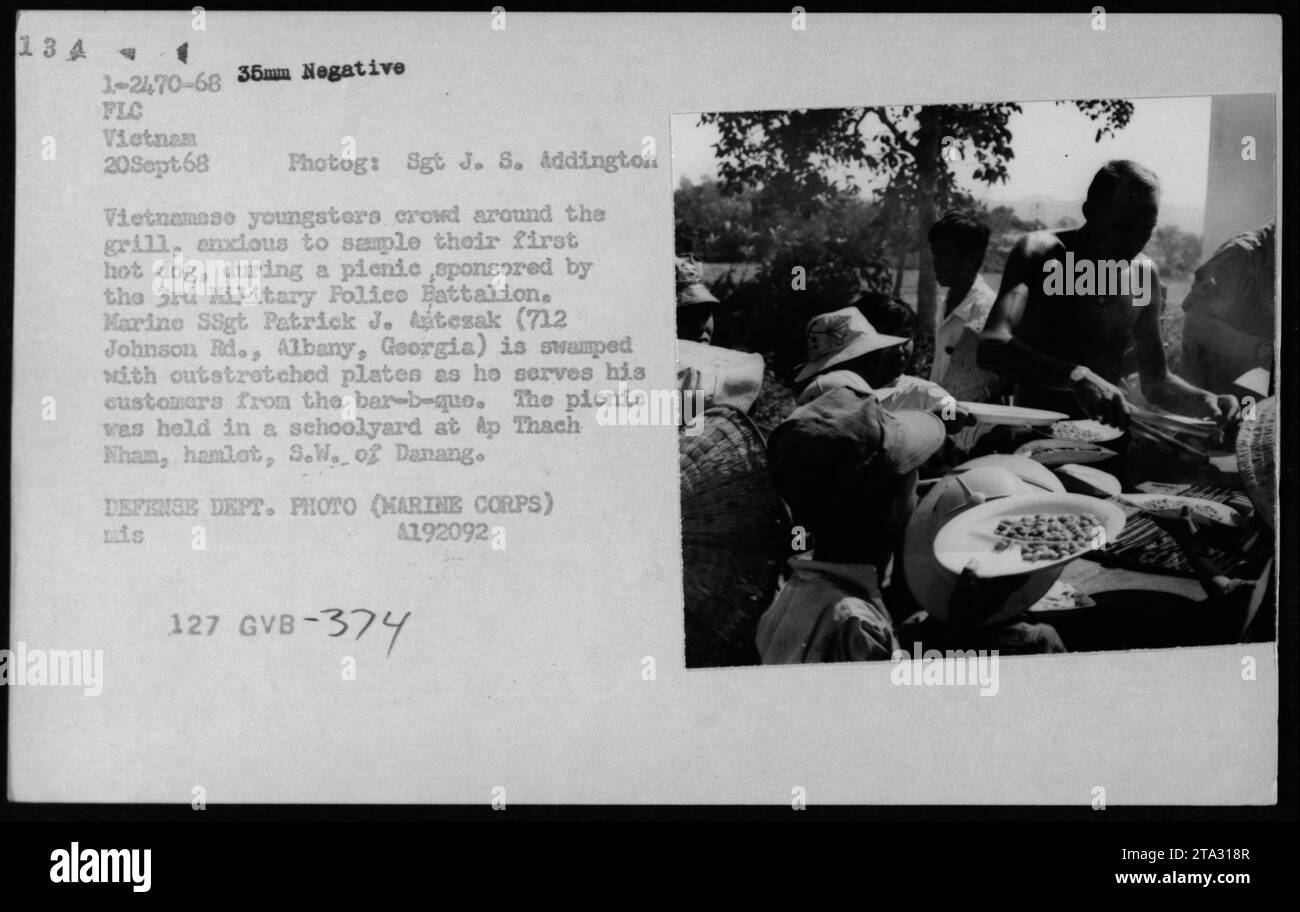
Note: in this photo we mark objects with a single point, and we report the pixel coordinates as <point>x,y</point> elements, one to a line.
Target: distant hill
<point>1050,210</point>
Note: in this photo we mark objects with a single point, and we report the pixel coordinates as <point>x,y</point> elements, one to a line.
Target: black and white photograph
<point>1016,392</point>
<point>362,476</point>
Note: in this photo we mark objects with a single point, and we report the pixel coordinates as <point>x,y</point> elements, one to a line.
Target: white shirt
<point>955,342</point>
<point>907,392</point>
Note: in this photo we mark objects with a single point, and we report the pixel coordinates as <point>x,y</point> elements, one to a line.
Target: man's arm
<point>1162,388</point>
<point>1220,338</point>
<point>1002,352</point>
<point>1228,592</point>
<point>999,350</point>
<point>1219,303</point>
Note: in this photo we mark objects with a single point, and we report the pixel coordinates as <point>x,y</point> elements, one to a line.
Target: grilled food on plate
<point>1055,451</point>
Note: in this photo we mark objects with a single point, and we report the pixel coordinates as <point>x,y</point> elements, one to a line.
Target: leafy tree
<point>1175,251</point>
<point>716,227</point>
<point>801,161</point>
<point>805,266</point>
<point>1005,226</point>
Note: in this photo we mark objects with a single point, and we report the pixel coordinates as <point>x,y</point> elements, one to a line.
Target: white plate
<point>971,536</point>
<point>1088,430</point>
<point>991,413</point>
<point>1255,380</point>
<point>1171,505</point>
<point>1053,452</point>
<point>1024,468</point>
<point>1226,464</point>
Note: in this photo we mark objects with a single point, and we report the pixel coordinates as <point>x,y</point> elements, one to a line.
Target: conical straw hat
<point>735,536</point>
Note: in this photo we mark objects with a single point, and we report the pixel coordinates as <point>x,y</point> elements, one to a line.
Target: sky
<point>1055,152</point>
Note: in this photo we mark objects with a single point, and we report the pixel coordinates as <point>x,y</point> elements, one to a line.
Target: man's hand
<point>1223,409</point>
<point>975,599</point>
<point>1102,399</point>
<point>954,417</point>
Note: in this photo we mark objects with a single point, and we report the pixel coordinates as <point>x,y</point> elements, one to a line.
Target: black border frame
<point>1284,811</point>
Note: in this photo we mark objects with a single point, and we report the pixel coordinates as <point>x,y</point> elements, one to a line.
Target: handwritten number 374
<point>336,615</point>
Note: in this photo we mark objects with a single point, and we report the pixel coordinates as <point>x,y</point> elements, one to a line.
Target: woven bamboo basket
<point>1257,459</point>
<point>735,532</point>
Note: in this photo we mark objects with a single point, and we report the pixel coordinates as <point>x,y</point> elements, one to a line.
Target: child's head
<point>694,302</point>
<point>846,340</point>
<point>695,322</point>
<point>893,317</point>
<point>958,242</point>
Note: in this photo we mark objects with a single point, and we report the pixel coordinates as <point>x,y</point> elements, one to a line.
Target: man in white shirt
<point>958,243</point>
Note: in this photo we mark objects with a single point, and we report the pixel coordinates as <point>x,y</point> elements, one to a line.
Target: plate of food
<point>1089,430</point>
<point>1082,479</point>
<point>1026,533</point>
<point>1054,451</point>
<point>992,413</point>
<point>1204,512</point>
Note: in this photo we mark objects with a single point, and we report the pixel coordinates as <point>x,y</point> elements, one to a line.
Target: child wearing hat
<point>867,347</point>
<point>694,302</point>
<point>876,351</point>
<point>846,467</point>
<point>721,375</point>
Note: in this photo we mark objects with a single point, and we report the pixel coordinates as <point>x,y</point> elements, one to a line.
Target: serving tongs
<point>1137,425</point>
<point>1168,424</point>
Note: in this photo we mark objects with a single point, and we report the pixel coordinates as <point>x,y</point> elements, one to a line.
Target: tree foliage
<point>1175,251</point>
<point>805,161</point>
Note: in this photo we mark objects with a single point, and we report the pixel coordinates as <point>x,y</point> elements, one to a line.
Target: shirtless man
<point>1061,333</point>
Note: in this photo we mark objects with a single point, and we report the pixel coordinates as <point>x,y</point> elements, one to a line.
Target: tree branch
<point>899,137</point>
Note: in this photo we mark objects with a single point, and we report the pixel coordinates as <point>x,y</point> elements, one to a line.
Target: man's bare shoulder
<point>1041,245</point>
<point>1147,265</point>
